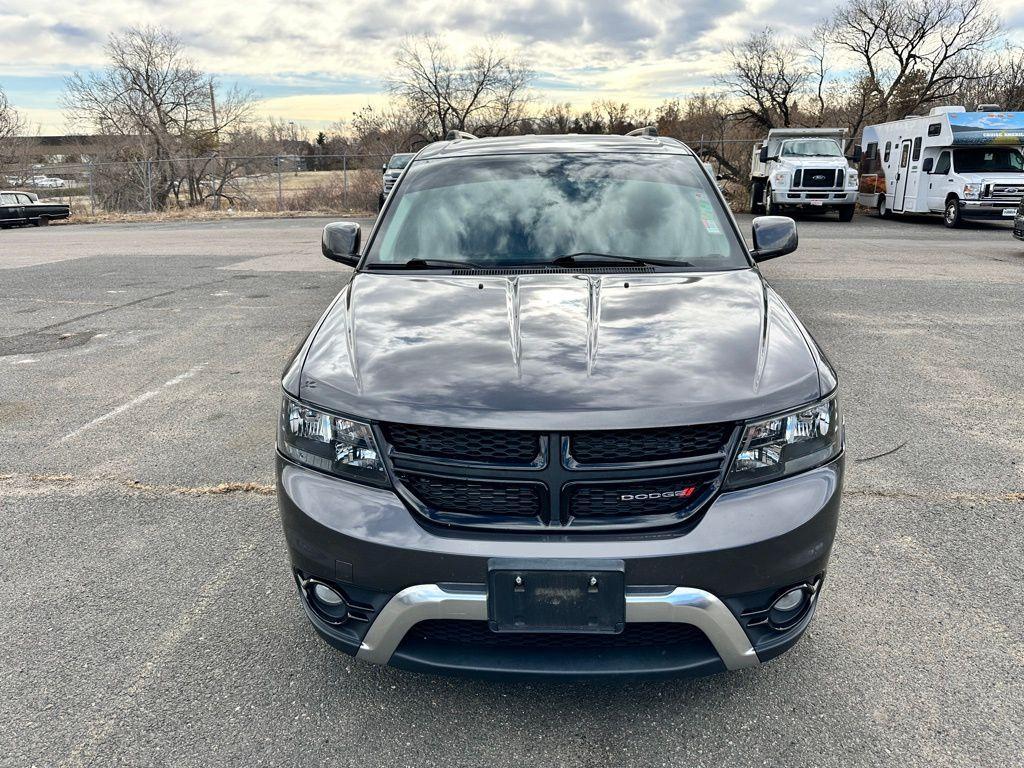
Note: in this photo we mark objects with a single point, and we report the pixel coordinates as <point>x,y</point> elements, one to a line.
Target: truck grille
<point>567,481</point>
<point>818,178</point>
<point>1008,193</point>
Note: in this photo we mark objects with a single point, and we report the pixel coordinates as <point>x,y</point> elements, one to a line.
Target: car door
<point>902,174</point>
<point>28,207</point>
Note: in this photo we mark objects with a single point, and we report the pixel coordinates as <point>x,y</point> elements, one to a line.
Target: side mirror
<point>928,164</point>
<point>774,236</point>
<point>384,168</point>
<point>763,154</point>
<point>858,153</point>
<point>341,242</point>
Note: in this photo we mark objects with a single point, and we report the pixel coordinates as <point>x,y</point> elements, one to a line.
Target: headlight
<point>972,191</point>
<point>851,179</point>
<point>780,177</point>
<point>787,444</point>
<point>329,443</point>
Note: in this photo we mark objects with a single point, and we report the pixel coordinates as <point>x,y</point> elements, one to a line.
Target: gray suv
<point>557,424</point>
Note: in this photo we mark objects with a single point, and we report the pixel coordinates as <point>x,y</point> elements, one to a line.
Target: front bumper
<point>718,576</point>
<point>815,198</point>
<point>986,209</point>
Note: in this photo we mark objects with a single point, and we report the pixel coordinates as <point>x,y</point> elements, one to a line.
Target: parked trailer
<point>963,165</point>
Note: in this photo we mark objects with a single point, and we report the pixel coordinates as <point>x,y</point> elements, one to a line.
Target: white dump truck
<point>803,168</point>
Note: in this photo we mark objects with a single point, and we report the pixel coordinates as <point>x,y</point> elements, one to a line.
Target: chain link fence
<point>255,184</point>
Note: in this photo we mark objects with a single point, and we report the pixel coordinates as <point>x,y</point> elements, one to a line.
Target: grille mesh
<point>477,634</point>
<point>612,446</point>
<point>475,498</point>
<point>604,501</point>
<point>829,179</point>
<point>489,445</point>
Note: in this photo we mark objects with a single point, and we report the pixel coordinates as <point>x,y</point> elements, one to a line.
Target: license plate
<point>1009,212</point>
<point>580,596</point>
<point>816,202</point>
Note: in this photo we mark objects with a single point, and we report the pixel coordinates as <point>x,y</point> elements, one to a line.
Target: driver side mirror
<point>763,154</point>
<point>341,242</point>
<point>774,236</point>
<point>928,164</point>
<point>858,153</point>
<point>384,168</point>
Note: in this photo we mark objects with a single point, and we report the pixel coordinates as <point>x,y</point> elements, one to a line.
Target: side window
<point>24,200</point>
<point>888,149</point>
<point>917,149</point>
<point>8,200</point>
<point>905,155</point>
<point>872,152</point>
<point>943,165</point>
<point>935,129</point>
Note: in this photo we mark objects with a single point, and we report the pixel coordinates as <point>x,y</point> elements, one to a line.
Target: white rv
<point>964,165</point>
<point>802,168</point>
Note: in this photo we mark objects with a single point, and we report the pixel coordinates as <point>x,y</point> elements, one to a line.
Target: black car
<point>21,208</point>
<point>1018,222</point>
<point>557,424</point>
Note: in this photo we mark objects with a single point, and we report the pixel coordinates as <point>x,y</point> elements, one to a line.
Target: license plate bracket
<point>1009,213</point>
<point>551,595</point>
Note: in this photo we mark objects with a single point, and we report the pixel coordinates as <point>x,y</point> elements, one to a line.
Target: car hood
<point>825,161</point>
<point>558,351</point>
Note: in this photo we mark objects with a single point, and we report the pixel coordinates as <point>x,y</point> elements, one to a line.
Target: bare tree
<point>164,109</point>
<point>11,127</point>
<point>767,74</point>
<point>486,93</point>
<point>913,52</point>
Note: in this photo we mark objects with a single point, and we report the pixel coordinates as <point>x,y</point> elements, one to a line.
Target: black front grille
<point>619,446</point>
<point>820,178</point>
<point>470,497</point>
<point>478,634</point>
<point>611,500</point>
<point>486,445</point>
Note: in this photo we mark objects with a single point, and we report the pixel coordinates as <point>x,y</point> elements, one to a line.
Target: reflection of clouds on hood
<point>668,341</point>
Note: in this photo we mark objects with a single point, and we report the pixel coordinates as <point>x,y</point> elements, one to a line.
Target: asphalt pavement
<point>147,616</point>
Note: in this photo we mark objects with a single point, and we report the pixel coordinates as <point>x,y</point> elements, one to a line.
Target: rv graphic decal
<point>975,128</point>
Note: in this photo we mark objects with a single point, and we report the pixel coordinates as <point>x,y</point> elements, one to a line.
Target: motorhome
<point>963,165</point>
<point>802,168</point>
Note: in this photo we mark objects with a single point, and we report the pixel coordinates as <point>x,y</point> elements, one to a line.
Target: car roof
<point>572,142</point>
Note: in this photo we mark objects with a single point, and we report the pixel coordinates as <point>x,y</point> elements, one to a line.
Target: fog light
<point>787,603</point>
<point>789,607</point>
<point>327,596</point>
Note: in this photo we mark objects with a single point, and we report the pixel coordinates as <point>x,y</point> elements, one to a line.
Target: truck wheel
<point>883,208</point>
<point>757,197</point>
<point>846,212</point>
<point>952,217</point>
<point>770,206</point>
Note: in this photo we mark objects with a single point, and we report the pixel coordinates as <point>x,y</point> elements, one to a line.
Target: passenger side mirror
<point>341,242</point>
<point>774,236</point>
<point>928,164</point>
<point>384,168</point>
<point>858,153</point>
<point>763,154</point>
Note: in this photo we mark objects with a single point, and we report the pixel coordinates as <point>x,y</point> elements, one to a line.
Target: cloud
<point>318,56</point>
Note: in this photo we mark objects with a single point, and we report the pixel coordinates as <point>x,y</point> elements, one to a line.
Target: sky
<point>317,61</point>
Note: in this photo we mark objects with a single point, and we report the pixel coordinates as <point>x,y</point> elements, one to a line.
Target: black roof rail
<point>647,130</point>
<point>454,135</point>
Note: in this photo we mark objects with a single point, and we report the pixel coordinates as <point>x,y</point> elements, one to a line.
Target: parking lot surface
<point>147,616</point>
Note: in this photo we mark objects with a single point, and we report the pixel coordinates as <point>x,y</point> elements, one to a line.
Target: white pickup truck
<point>805,168</point>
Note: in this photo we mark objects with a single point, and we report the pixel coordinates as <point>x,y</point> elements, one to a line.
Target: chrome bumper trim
<point>683,604</point>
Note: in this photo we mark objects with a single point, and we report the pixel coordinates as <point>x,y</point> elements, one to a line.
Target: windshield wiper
<point>427,264</point>
<point>582,257</point>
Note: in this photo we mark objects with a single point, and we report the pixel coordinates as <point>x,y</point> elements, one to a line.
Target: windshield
<point>531,209</point>
<point>991,159</point>
<point>811,148</point>
<point>397,162</point>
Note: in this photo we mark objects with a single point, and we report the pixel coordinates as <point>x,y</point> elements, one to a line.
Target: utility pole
<point>216,140</point>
